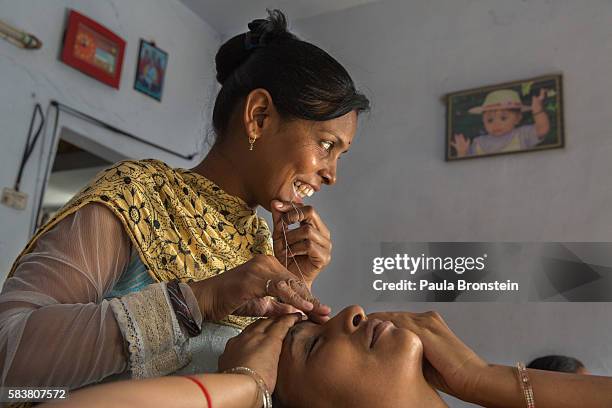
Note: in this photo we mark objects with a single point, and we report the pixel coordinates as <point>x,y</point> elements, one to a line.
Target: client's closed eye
<point>311,344</point>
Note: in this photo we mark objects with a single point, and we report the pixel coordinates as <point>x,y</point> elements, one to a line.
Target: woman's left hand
<point>310,243</point>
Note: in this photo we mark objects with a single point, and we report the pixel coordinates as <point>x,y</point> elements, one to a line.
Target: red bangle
<point>204,390</point>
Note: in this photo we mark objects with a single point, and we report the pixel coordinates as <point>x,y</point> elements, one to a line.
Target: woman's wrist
<point>497,387</point>
<point>185,306</point>
<point>206,292</point>
<point>192,302</point>
<point>231,390</point>
<point>264,398</point>
<point>221,294</point>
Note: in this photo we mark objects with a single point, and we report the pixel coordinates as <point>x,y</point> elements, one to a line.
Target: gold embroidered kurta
<point>182,224</point>
<point>55,324</point>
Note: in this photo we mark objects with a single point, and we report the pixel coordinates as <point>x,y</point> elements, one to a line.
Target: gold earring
<point>251,142</point>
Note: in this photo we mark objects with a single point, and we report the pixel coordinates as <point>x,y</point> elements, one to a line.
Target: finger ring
<point>268,286</point>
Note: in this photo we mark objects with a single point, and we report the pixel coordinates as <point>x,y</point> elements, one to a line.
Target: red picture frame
<point>93,49</point>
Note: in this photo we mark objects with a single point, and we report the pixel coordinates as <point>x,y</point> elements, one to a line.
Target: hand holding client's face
<point>450,365</point>
<point>258,347</point>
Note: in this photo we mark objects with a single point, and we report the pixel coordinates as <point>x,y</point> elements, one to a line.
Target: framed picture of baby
<point>512,117</point>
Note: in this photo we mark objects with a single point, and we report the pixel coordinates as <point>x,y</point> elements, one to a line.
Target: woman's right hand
<point>246,289</point>
<point>450,365</point>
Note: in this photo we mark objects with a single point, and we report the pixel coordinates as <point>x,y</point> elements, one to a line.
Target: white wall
<point>395,186</point>
<point>178,122</point>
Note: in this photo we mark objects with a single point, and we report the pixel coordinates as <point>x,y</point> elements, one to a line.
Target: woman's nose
<point>329,175</point>
<point>329,180</point>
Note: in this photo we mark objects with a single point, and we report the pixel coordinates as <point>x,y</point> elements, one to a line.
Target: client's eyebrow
<point>298,327</point>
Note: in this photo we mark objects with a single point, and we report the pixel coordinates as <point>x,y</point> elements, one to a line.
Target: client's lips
<point>377,329</point>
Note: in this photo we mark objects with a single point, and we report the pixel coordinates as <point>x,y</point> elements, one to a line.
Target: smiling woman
<point>291,103</point>
<point>122,278</point>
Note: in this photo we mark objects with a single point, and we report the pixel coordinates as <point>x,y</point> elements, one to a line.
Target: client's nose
<point>351,317</point>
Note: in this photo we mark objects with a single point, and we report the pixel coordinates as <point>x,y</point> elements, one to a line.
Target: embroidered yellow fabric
<point>182,224</point>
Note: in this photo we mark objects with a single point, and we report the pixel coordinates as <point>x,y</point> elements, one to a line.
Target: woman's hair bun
<point>304,81</point>
<point>262,32</point>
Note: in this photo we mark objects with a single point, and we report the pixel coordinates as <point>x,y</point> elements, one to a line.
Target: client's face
<point>349,361</point>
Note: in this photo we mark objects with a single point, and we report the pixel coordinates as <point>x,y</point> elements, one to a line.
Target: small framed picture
<point>512,117</point>
<point>151,70</point>
<point>93,49</point>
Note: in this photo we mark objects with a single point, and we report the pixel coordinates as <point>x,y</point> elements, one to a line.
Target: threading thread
<point>287,249</point>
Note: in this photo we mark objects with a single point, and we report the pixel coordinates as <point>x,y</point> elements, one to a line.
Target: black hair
<point>276,401</point>
<point>563,364</point>
<point>304,81</point>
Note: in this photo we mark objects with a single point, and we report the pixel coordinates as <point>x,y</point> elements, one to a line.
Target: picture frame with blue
<point>151,70</point>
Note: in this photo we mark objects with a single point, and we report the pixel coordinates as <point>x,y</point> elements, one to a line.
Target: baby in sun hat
<point>501,113</point>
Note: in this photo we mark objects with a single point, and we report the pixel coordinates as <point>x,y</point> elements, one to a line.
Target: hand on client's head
<point>450,365</point>
<point>258,347</point>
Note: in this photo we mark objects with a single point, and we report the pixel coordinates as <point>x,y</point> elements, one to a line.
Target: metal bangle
<point>526,387</point>
<point>261,384</point>
<point>181,309</point>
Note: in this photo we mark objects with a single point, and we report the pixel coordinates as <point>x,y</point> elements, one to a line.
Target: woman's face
<point>294,158</point>
<point>350,361</point>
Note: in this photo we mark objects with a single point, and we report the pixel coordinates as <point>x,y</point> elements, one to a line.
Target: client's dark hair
<point>304,81</point>
<point>277,403</point>
<point>563,364</point>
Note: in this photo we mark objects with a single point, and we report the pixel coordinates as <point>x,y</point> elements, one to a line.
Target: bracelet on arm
<point>526,388</point>
<point>203,388</point>
<point>261,384</point>
<point>537,113</point>
<point>181,310</point>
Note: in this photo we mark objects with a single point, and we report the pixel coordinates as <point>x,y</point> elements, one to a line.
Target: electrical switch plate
<point>13,198</point>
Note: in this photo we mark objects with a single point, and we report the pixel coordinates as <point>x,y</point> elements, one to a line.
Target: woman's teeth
<point>302,190</point>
